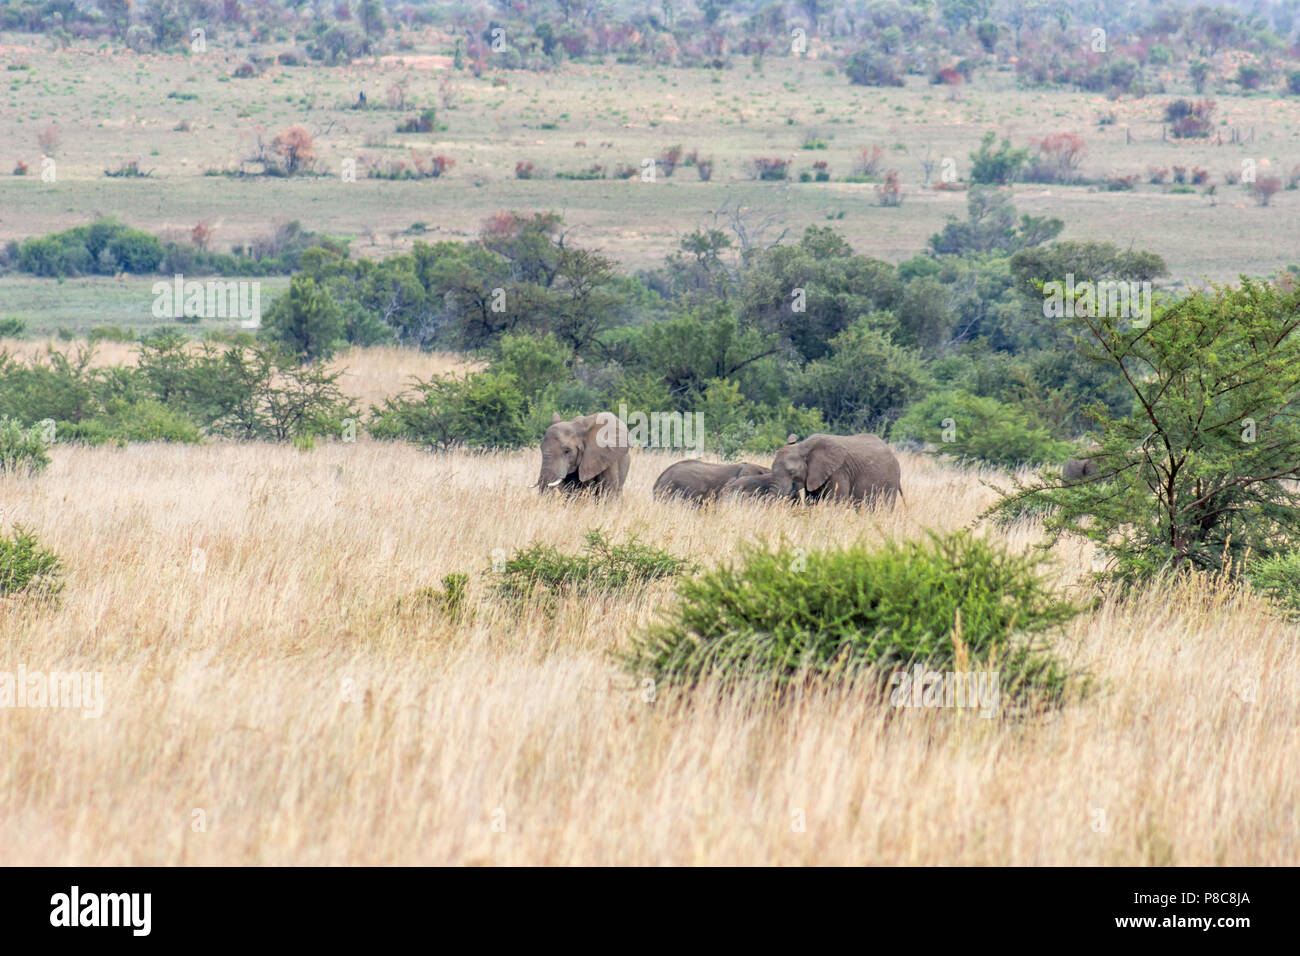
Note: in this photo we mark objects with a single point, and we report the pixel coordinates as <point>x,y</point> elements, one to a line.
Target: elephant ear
<point>606,442</point>
<point>823,461</point>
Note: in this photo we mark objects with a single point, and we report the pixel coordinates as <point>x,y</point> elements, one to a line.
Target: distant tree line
<point>876,43</point>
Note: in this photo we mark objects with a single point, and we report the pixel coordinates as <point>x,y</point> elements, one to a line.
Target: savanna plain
<point>282,687</point>
<point>279,689</point>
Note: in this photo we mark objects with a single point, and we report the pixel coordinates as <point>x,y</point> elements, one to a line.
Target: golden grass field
<point>241,603</point>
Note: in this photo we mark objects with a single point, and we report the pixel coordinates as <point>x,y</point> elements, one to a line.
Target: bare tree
<point>752,227</point>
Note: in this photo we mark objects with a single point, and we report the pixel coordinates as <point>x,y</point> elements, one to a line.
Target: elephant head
<point>589,451</point>
<point>803,466</point>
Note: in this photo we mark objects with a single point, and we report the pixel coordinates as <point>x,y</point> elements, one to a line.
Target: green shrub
<point>111,333</point>
<point>21,450</point>
<point>57,386</point>
<point>103,247</point>
<point>1277,578</point>
<point>1001,166</point>
<point>12,328</point>
<point>975,427</point>
<point>603,566</point>
<point>26,567</point>
<point>253,392</point>
<point>865,67</point>
<point>950,602</point>
<point>145,420</point>
<point>865,382</point>
<point>264,394</point>
<point>134,250</point>
<point>480,410</point>
<point>535,361</point>
<point>734,425</point>
<point>305,320</point>
<point>448,600</point>
<point>250,393</point>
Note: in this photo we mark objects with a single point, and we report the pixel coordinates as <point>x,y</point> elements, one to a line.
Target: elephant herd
<point>590,453</point>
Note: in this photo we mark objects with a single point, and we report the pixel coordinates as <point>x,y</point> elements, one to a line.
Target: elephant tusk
<point>555,482</point>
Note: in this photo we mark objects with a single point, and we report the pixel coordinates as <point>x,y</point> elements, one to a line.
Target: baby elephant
<point>700,481</point>
<point>753,486</point>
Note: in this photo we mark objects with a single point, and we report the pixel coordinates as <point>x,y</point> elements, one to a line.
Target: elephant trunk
<point>550,477</point>
<point>784,485</point>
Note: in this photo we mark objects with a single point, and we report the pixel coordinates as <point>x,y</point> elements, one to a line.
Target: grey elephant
<point>700,481</point>
<point>585,454</point>
<point>855,468</point>
<point>1078,468</point>
<point>753,486</point>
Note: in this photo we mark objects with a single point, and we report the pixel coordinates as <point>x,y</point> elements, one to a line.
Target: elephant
<point>752,486</point>
<point>856,468</point>
<point>588,453</point>
<point>1077,468</point>
<point>700,481</point>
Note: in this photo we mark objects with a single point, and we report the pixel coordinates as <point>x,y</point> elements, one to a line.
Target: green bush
<point>57,386</point>
<point>864,383</point>
<point>1277,578</point>
<point>733,425</point>
<point>106,247</point>
<point>103,247</point>
<point>27,567</point>
<point>602,566</point>
<point>12,328</point>
<point>134,250</point>
<point>868,68</point>
<point>252,393</point>
<point>140,421</point>
<point>951,602</point>
<point>305,320</point>
<point>1000,166</point>
<point>535,361</point>
<point>448,600</point>
<point>480,410</point>
<point>111,333</point>
<point>21,450</point>
<point>264,394</point>
<point>979,428</point>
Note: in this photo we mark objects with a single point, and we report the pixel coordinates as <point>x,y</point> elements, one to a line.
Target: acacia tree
<point>1200,472</point>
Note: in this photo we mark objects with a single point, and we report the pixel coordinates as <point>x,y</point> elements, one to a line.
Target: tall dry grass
<point>273,684</point>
